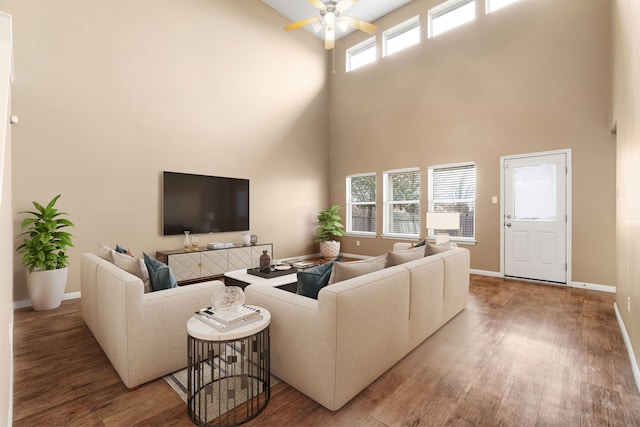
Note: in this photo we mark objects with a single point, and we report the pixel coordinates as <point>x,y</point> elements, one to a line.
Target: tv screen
<point>203,204</point>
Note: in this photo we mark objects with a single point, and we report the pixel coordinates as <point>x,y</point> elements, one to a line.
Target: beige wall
<point>531,77</point>
<point>626,114</point>
<point>6,235</point>
<point>112,92</point>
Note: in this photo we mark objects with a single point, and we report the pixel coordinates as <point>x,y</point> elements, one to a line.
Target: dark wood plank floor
<point>520,354</point>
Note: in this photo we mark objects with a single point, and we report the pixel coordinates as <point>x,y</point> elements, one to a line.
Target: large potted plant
<point>44,254</point>
<point>329,226</point>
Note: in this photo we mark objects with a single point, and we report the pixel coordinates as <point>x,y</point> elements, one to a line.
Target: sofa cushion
<point>348,270</point>
<point>105,252</point>
<point>135,266</point>
<point>311,280</point>
<point>436,249</point>
<point>400,257</point>
<point>160,274</point>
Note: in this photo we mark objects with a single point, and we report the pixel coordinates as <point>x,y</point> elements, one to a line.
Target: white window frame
<point>387,193</point>
<point>444,9</point>
<point>492,7</point>
<point>432,202</point>
<point>358,49</point>
<point>398,30</point>
<point>350,205</point>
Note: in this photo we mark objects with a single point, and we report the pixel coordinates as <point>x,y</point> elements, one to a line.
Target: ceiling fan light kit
<point>330,16</point>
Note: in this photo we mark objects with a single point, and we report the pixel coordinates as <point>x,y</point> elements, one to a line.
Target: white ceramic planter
<point>330,249</point>
<point>46,288</point>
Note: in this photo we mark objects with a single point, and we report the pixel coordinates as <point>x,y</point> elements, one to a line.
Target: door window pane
<point>534,193</point>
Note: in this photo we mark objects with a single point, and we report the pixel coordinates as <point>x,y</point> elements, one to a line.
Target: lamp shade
<point>443,220</point>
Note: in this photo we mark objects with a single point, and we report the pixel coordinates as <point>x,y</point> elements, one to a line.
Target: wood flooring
<point>520,354</point>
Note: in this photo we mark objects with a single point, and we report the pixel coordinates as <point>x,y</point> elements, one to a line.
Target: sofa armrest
<point>157,328</point>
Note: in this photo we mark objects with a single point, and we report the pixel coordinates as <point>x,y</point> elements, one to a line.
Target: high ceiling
<point>367,10</point>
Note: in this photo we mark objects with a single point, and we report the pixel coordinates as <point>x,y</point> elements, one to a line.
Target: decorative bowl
<point>227,298</point>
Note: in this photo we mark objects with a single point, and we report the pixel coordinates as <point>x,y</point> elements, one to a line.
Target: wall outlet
<point>628,304</point>
<point>357,242</point>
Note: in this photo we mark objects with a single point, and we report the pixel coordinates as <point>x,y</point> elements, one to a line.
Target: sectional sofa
<point>332,348</point>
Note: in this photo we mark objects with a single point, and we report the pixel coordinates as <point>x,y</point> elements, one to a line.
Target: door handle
<point>508,224</point>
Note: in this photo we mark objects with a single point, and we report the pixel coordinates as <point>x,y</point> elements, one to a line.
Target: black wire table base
<point>228,381</point>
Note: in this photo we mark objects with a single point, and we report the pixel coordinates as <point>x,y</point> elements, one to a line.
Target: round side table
<point>228,371</point>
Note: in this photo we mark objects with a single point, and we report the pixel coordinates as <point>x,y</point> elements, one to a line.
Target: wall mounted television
<point>203,204</point>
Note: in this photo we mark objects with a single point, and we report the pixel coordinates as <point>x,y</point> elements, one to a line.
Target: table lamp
<point>443,221</point>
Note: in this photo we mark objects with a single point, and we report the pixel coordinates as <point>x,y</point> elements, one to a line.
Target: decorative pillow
<point>134,266</point>
<point>348,270</point>
<point>160,274</point>
<point>105,252</point>
<point>400,257</point>
<point>311,280</point>
<point>436,249</point>
<point>120,249</point>
<point>417,245</point>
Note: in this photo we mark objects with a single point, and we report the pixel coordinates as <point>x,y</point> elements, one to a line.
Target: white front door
<point>535,217</point>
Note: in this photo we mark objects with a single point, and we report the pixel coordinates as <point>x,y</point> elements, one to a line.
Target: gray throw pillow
<point>160,274</point>
<point>311,280</point>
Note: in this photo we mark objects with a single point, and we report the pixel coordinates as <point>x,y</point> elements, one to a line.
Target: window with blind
<point>450,14</point>
<point>452,188</point>
<point>401,36</point>
<point>361,204</point>
<point>402,203</point>
<point>361,54</point>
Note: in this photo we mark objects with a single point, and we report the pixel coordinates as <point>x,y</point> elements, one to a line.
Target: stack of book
<point>224,320</point>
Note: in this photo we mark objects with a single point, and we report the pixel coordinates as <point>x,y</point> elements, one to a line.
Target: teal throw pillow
<point>417,245</point>
<point>160,274</point>
<point>311,280</point>
<point>121,249</point>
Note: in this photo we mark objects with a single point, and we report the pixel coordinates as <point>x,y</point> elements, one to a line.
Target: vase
<point>227,298</point>
<point>330,249</point>
<point>265,262</point>
<point>46,288</point>
<point>187,241</point>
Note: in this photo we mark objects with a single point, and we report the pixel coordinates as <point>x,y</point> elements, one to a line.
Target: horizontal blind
<point>454,184</point>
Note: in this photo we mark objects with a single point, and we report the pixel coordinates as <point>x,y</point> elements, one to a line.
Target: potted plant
<point>329,225</point>
<point>44,255</point>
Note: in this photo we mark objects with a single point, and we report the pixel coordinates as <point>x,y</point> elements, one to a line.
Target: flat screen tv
<point>203,204</point>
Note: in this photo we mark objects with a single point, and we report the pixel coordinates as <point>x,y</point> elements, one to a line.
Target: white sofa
<point>332,348</point>
<point>144,335</point>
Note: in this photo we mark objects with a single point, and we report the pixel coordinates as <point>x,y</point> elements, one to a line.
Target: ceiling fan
<point>330,16</point>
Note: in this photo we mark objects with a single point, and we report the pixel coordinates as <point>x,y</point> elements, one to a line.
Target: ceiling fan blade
<point>302,23</point>
<point>318,4</point>
<point>329,37</point>
<point>345,4</point>
<point>361,25</point>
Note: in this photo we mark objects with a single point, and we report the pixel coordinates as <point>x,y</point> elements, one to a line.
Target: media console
<point>205,264</point>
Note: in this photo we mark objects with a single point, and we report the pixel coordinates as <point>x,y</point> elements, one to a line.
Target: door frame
<point>569,198</point>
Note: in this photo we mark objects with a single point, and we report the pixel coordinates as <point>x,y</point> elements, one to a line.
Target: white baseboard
<point>627,343</point>
<point>27,302</point>
<point>486,273</point>
<point>593,287</point>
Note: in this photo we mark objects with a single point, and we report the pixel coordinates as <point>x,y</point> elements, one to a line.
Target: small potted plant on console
<point>44,254</point>
<point>329,226</point>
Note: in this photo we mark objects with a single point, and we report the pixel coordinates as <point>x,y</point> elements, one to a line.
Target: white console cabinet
<point>203,264</point>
